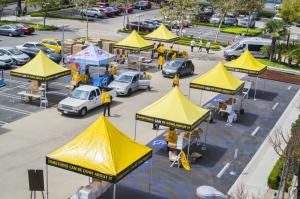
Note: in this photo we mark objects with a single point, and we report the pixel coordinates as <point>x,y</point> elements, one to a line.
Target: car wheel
<point>129,92</point>
<point>149,88</point>
<point>232,57</point>
<point>96,16</point>
<point>14,62</point>
<point>83,111</point>
<point>10,34</point>
<point>192,72</point>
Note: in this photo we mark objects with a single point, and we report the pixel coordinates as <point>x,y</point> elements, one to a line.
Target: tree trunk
<point>272,48</point>
<point>219,28</point>
<point>19,3</point>
<point>87,21</point>
<point>288,38</point>
<point>248,26</point>
<point>126,14</point>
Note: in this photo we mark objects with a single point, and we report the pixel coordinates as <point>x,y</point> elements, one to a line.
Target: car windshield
<point>79,94</point>
<point>235,45</point>
<point>175,64</point>
<point>1,53</point>
<point>58,42</point>
<point>15,51</point>
<point>124,78</point>
<point>40,46</point>
<point>46,50</point>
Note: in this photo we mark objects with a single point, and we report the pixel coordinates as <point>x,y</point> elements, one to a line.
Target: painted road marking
<point>2,123</point>
<point>10,96</point>
<point>220,174</point>
<point>15,110</point>
<point>289,88</point>
<point>275,106</point>
<point>11,88</point>
<point>255,131</point>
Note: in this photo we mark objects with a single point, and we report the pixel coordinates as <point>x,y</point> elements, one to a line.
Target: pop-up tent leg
<point>135,130</point>
<point>200,98</point>
<point>114,194</point>
<point>189,92</point>
<point>150,176</point>
<point>189,145</point>
<point>47,190</point>
<point>255,87</point>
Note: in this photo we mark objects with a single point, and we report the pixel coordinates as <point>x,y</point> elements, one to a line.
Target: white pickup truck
<point>82,99</point>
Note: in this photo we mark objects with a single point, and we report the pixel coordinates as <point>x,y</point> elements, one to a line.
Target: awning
<point>40,68</point>
<point>173,110</point>
<point>91,55</point>
<point>134,42</point>
<point>246,63</point>
<point>101,151</point>
<point>218,79</point>
<point>162,34</point>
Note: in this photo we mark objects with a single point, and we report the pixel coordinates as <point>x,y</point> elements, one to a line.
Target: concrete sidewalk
<point>254,177</point>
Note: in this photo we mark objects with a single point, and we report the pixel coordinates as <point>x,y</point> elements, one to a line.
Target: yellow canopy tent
<point>134,42</point>
<point>101,151</point>
<point>40,68</point>
<point>162,34</point>
<point>218,79</point>
<point>246,63</point>
<point>173,110</point>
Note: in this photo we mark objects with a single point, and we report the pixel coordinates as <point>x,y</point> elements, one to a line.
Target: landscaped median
<point>186,41</point>
<point>278,65</point>
<point>236,30</point>
<point>39,27</point>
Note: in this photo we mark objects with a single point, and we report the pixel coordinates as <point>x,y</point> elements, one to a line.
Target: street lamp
<point>63,40</point>
<point>139,16</point>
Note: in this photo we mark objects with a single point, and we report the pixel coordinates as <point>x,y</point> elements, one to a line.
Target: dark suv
<point>179,66</point>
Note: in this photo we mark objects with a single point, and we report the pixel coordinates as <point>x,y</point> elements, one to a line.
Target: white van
<point>253,44</point>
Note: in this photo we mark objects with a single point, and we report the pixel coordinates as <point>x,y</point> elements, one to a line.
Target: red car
<point>123,8</point>
<point>108,11</point>
<point>27,30</point>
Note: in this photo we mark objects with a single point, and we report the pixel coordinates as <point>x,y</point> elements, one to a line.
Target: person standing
<point>193,43</point>
<point>106,100</point>
<point>207,46</point>
<point>160,61</point>
<point>175,81</point>
<point>200,45</point>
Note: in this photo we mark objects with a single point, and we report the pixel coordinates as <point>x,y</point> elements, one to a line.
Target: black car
<point>32,49</point>
<point>10,30</point>
<point>179,66</point>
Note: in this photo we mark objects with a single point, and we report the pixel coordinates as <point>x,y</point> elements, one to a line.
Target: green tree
<point>276,29</point>
<point>3,4</point>
<point>290,12</point>
<point>250,6</point>
<point>44,5</point>
<point>126,4</point>
<point>84,4</point>
<point>224,6</point>
<point>181,9</point>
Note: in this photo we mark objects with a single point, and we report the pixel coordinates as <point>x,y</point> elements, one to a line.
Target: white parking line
<point>15,110</point>
<point>10,96</point>
<point>289,88</point>
<point>275,106</point>
<point>255,131</point>
<point>11,88</point>
<point>221,173</point>
<point>2,123</point>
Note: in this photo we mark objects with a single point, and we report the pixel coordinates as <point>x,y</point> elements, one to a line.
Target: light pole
<point>63,42</point>
<point>139,16</point>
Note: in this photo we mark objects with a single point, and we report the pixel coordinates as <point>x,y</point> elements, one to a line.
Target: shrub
<point>241,30</point>
<point>274,177</point>
<point>58,16</point>
<point>267,14</point>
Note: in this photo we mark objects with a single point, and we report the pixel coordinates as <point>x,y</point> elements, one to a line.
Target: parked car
<point>179,66</point>
<point>123,8</point>
<point>5,60</point>
<point>143,5</point>
<point>216,18</point>
<point>27,30</point>
<point>32,49</point>
<point>107,11</point>
<point>128,82</point>
<point>17,56</point>
<point>203,17</point>
<point>52,43</point>
<point>152,23</point>
<point>82,99</point>
<point>255,16</point>
<point>115,10</point>
<point>230,21</point>
<point>277,17</point>
<point>245,21</point>
<point>93,12</point>
<point>146,27</point>
<point>102,4</point>
<point>208,10</point>
<point>253,44</point>
<point>10,30</point>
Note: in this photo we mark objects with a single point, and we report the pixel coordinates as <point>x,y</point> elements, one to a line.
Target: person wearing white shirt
<point>200,45</point>
<point>207,46</point>
<point>193,43</point>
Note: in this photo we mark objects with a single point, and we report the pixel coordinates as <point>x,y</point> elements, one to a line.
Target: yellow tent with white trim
<point>162,34</point>
<point>40,68</point>
<point>101,151</point>
<point>173,110</point>
<point>134,41</point>
<point>246,63</point>
<point>218,79</point>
